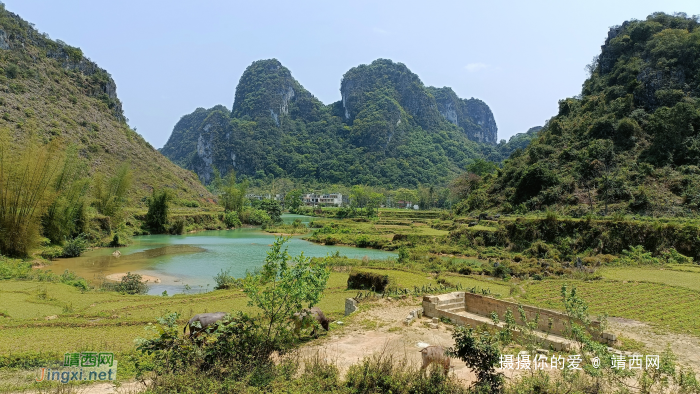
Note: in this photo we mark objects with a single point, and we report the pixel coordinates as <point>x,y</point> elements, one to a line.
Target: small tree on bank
<point>283,286</point>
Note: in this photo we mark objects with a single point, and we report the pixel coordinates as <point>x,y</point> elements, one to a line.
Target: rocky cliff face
<point>472,116</point>
<point>267,89</point>
<point>481,115</point>
<point>23,36</point>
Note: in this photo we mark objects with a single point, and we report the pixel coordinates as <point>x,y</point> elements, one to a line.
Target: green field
<point>673,276</point>
<point>111,321</point>
<point>676,309</point>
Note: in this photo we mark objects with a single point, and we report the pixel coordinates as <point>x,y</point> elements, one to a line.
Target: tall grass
<point>26,176</point>
<point>66,217</point>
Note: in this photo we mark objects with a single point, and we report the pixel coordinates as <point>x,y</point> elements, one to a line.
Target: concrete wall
<point>548,321</point>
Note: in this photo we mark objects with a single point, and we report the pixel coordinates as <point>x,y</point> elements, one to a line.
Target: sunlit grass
<point>672,308</point>
<point>689,280</point>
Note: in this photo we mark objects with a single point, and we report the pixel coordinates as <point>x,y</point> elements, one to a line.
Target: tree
<point>374,200</point>
<point>463,185</point>
<point>293,200</point>
<point>157,215</point>
<point>359,196</point>
<point>216,182</point>
<point>406,195</point>
<point>284,286</point>
<point>481,353</point>
<point>482,167</point>
<point>233,195</point>
<point>110,195</point>
<point>273,209</point>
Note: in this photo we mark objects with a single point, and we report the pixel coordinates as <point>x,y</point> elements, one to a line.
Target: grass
<point>689,280</point>
<point>670,308</point>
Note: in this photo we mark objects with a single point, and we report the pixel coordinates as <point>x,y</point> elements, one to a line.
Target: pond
<point>192,260</point>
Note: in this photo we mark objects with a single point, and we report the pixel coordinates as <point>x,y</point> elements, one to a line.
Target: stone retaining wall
<point>449,306</point>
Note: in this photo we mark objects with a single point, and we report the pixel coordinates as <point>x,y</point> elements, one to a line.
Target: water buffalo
<point>435,354</point>
<point>305,318</point>
<point>205,320</point>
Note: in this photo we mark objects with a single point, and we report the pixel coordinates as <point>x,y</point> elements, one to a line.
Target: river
<point>192,260</point>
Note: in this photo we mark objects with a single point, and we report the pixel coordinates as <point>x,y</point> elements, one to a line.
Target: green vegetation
<point>626,144</point>
<point>26,177</point>
<point>157,216</point>
<point>284,286</point>
<point>387,133</point>
<point>670,275</point>
<point>667,307</point>
<point>53,93</point>
<point>110,194</point>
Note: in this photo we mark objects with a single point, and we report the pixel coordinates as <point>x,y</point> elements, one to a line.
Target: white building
<point>332,199</point>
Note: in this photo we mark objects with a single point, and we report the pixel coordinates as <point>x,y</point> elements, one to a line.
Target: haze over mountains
<point>387,128</point>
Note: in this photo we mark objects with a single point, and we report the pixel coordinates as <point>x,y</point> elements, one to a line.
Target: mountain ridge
<point>383,123</point>
<point>51,90</point>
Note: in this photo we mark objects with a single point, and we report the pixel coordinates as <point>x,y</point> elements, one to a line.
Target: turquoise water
<point>194,259</point>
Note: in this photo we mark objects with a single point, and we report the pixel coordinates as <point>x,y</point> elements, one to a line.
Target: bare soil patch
<point>685,347</point>
<point>379,328</point>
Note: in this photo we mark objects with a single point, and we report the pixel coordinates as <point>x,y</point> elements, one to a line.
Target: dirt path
<point>685,347</point>
<point>380,329</point>
<point>100,388</point>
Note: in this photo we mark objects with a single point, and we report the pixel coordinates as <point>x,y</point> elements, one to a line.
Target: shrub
<point>75,247</point>
<point>362,241</point>
<point>368,281</point>
<point>70,278</point>
<point>466,270</point>
<point>403,255</point>
<point>178,226</point>
<point>117,241</point>
<point>231,219</point>
<point>224,280</point>
<point>258,217</point>
<point>131,284</point>
<point>52,252</point>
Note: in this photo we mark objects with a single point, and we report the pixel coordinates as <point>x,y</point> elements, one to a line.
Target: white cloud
<point>474,67</point>
<point>380,31</point>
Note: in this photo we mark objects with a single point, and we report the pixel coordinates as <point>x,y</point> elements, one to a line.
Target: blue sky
<point>170,57</point>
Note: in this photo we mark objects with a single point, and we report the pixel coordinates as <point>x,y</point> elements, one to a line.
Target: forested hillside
<point>629,143</point>
<point>52,92</point>
<point>388,129</point>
